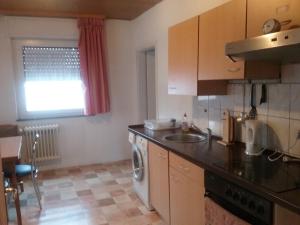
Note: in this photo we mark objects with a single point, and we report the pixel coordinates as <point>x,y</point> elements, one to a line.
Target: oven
<point>229,204</point>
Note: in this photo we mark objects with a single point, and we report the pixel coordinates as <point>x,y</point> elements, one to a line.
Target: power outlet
<point>298,135</point>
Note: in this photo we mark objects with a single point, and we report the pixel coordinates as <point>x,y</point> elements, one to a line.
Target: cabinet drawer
<point>187,168</point>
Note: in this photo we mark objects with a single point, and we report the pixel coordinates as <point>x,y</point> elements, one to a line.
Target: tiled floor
<point>89,195</point>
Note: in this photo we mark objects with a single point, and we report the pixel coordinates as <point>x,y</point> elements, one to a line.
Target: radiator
<point>47,146</point>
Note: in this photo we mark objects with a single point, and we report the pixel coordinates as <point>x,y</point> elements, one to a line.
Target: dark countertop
<point>254,173</point>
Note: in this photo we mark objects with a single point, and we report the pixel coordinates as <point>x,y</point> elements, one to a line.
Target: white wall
<point>104,138</point>
<point>151,29</point>
<point>83,140</point>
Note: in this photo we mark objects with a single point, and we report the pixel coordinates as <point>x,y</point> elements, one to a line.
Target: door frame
<point>139,52</point>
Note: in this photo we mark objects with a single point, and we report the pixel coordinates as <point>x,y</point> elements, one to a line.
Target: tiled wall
<point>280,114</point>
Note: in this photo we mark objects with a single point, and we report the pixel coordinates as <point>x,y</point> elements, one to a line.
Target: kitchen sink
<point>185,138</point>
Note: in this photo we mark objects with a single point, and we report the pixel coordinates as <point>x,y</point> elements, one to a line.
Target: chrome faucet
<point>195,128</point>
<point>209,131</point>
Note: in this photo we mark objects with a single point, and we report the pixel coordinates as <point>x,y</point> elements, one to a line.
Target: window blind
<point>51,63</point>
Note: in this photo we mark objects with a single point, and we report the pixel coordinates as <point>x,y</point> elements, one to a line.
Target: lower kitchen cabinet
<point>159,180</point>
<point>186,192</point>
<point>283,216</point>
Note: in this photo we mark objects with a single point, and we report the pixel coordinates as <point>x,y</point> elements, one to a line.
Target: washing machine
<point>140,168</point>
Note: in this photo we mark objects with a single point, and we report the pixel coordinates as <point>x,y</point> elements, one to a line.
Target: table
<point>10,154</point>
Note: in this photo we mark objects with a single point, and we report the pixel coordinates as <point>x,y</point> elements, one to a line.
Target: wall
<point>151,30</point>
<point>280,114</point>
<point>83,140</point>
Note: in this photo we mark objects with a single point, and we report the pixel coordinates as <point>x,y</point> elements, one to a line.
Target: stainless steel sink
<point>185,138</point>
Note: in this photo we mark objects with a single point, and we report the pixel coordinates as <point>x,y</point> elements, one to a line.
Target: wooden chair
<point>9,191</point>
<point>25,170</point>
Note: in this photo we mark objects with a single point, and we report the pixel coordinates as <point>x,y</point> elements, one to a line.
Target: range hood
<point>281,47</point>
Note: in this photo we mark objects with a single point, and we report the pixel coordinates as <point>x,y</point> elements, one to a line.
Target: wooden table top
<point>10,147</point>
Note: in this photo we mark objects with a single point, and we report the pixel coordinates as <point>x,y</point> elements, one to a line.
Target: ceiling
<point>111,9</point>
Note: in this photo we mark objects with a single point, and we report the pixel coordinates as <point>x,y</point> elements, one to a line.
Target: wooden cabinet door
<point>183,58</point>
<point>218,26</point>
<point>283,216</point>
<point>3,215</point>
<point>179,209</point>
<point>186,192</point>
<point>259,11</point>
<point>186,200</point>
<point>159,180</point>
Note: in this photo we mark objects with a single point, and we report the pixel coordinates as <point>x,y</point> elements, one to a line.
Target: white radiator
<point>47,146</point>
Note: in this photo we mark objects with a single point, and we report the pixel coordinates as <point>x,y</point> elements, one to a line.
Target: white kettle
<point>254,137</point>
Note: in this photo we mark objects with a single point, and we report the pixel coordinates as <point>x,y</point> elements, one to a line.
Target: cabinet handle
<point>184,168</point>
<point>162,156</point>
<point>282,9</point>
<point>172,88</point>
<point>234,70</point>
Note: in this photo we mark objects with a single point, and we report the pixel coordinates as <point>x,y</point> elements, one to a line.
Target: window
<point>49,83</point>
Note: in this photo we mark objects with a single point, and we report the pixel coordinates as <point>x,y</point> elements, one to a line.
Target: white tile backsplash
<point>279,100</point>
<point>295,101</point>
<point>214,121</point>
<point>237,91</point>
<point>215,102</point>
<point>278,133</point>
<point>281,113</point>
<point>294,145</point>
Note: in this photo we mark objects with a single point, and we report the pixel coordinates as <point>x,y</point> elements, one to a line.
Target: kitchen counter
<point>274,181</point>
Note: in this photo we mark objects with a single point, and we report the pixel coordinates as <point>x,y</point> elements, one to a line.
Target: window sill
<point>53,118</point>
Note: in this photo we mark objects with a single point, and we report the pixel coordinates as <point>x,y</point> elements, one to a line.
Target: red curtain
<point>93,65</point>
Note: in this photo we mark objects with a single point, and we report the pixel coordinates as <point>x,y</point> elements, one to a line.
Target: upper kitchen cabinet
<point>226,23</point>
<point>285,11</point>
<point>183,55</point>
<point>183,62</point>
<point>221,25</point>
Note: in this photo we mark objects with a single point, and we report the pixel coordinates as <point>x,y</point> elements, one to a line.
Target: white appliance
<point>254,137</point>
<point>140,168</point>
<point>162,124</point>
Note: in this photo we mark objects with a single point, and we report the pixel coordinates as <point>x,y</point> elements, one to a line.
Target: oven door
<point>137,164</point>
<point>216,215</point>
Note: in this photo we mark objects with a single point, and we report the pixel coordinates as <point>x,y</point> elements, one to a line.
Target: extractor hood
<point>282,47</point>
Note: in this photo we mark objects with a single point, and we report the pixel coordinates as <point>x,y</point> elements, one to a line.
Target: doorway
<point>146,78</point>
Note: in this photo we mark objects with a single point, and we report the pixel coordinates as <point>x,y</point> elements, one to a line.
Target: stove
<point>275,176</point>
<point>235,203</point>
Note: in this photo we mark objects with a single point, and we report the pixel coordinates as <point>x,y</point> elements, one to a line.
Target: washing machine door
<point>137,163</point>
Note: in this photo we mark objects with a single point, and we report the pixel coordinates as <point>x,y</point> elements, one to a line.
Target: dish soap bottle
<point>184,124</point>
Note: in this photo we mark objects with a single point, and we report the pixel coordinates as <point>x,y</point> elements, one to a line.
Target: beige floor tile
<point>89,195</point>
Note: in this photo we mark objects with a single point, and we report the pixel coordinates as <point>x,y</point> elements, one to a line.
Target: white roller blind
<point>48,78</point>
<point>51,63</point>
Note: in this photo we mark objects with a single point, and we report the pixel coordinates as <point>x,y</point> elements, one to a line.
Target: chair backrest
<point>33,150</point>
<point>8,130</point>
